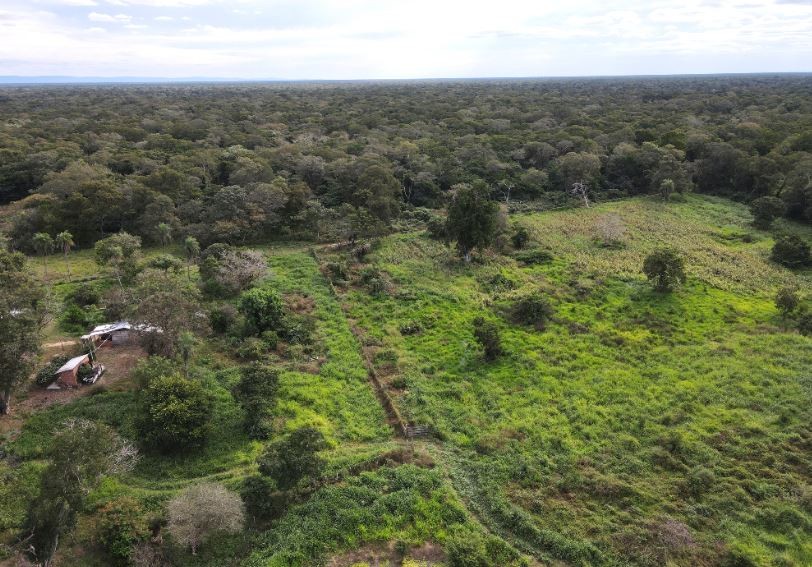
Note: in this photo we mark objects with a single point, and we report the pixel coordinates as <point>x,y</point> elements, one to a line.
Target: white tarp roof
<point>108,328</point>
<point>72,363</point>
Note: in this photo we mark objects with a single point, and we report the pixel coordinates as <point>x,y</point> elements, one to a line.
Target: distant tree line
<point>237,164</point>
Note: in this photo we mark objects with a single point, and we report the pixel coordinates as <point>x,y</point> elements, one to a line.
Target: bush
<point>76,319</point>
<point>787,300</point>
<point>256,393</point>
<point>262,501</point>
<point>375,282</point>
<point>152,367</point>
<point>83,295</point>
<point>533,256</point>
<point>295,458</point>
<point>791,251</point>
<point>121,524</point>
<point>263,310</point>
<point>338,272</point>
<point>765,210</point>
<point>532,309</point>
<point>805,323</point>
<point>251,348</point>
<point>166,262</point>
<point>520,238</point>
<point>487,334</point>
<point>47,374</point>
<point>665,269</point>
<point>436,228</point>
<point>174,414</point>
<point>222,318</point>
<point>203,510</point>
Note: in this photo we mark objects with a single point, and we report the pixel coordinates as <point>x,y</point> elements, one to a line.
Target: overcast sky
<point>368,39</point>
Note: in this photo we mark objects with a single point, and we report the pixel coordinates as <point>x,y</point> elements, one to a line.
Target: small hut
<point>68,373</point>
<point>108,334</point>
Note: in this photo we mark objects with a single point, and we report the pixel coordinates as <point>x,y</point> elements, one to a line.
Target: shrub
<point>256,393</point>
<point>174,414</point>
<point>152,367</point>
<point>262,500</point>
<point>360,252</point>
<point>791,251</point>
<point>121,524</point>
<point>487,334</point>
<point>520,238</point>
<point>610,230</point>
<point>787,300</point>
<point>166,262</point>
<point>294,458</point>
<point>251,348</point>
<point>532,309</point>
<point>203,510</point>
<point>76,319</point>
<point>83,295</point>
<point>338,272</point>
<point>222,317</point>
<point>263,310</point>
<point>436,228</point>
<point>765,210</point>
<point>47,374</point>
<point>805,323</point>
<point>375,282</point>
<point>533,256</point>
<point>664,268</point>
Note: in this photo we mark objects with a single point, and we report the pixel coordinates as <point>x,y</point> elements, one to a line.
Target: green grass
<point>594,429</point>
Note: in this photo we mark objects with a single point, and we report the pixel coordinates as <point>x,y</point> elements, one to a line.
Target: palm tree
<point>186,344</point>
<point>164,233</point>
<point>65,241</point>
<point>44,245</point>
<point>192,248</point>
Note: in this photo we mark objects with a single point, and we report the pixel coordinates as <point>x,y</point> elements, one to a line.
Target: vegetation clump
<point>665,269</point>
<point>487,335</point>
<point>174,414</point>
<point>791,250</point>
<point>531,309</point>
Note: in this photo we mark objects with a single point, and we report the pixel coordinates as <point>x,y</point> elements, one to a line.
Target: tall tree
<point>472,219</point>
<point>22,316</point>
<point>192,249</point>
<point>65,242</point>
<point>44,245</point>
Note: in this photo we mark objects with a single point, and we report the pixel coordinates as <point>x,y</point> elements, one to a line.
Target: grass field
<point>637,427</point>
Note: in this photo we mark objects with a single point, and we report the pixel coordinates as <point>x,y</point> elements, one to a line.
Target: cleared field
<point>636,427</point>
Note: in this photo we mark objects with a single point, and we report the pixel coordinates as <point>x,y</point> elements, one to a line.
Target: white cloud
<point>422,38</point>
<point>117,18</point>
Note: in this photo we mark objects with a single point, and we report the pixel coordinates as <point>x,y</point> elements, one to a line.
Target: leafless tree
<point>203,510</point>
<point>238,269</point>
<point>610,230</point>
<point>581,190</point>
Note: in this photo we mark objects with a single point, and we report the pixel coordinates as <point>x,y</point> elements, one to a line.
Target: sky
<point>383,39</point>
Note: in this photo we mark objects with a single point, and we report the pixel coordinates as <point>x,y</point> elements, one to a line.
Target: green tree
<point>665,269</point>
<point>174,414</point>
<point>122,523</point>
<point>192,249</point>
<point>790,250</point>
<point>164,233</point>
<point>256,393</point>
<point>472,219</point>
<point>787,300</point>
<point>294,458</point>
<point>765,210</point>
<point>44,245</point>
<point>22,316</point>
<point>186,345</point>
<point>65,242</point>
<point>121,252</point>
<point>263,310</point>
<point>487,334</point>
<point>81,453</point>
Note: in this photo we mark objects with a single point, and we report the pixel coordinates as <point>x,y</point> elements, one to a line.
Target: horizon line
<point>138,79</point>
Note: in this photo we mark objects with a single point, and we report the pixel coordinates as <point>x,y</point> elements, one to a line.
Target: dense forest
<point>465,323</point>
<point>252,162</point>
